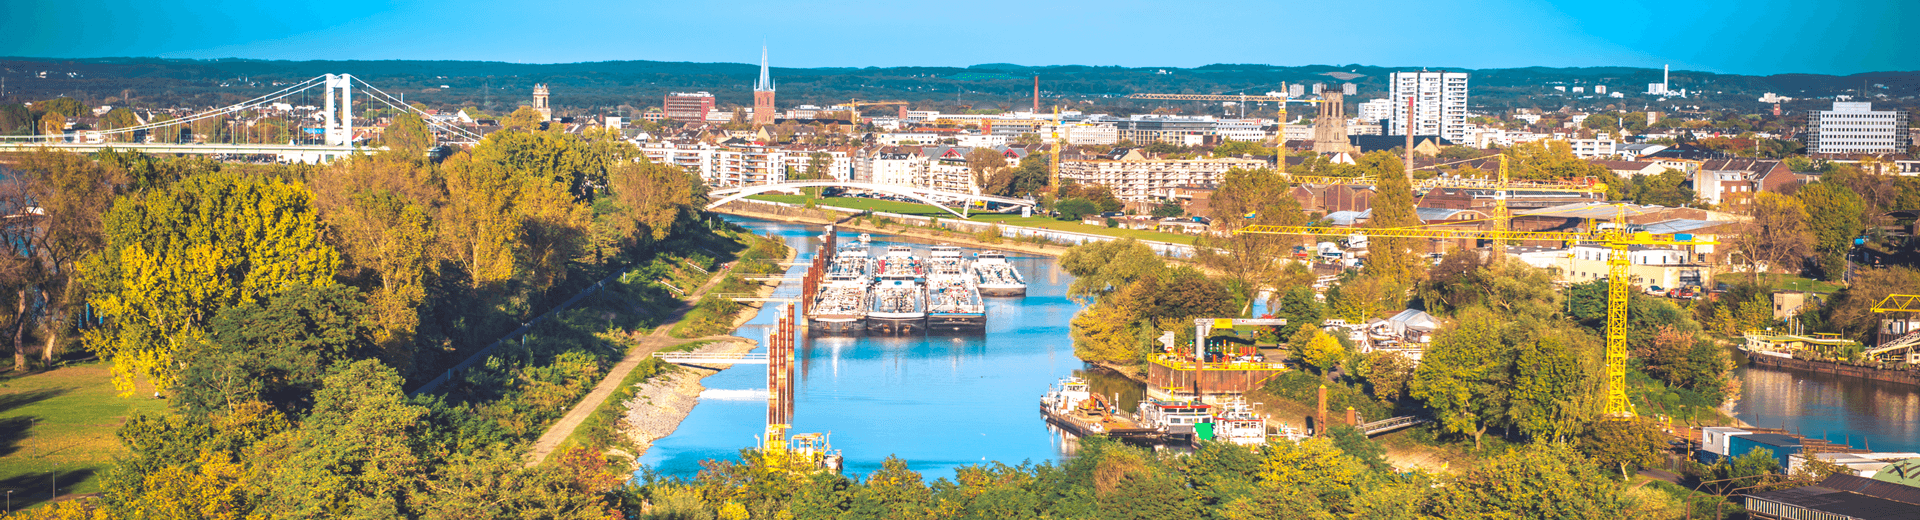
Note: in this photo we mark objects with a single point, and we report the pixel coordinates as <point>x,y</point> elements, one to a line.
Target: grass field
<point>61,424</point>
<point>909,208</point>
<point>1779,282</point>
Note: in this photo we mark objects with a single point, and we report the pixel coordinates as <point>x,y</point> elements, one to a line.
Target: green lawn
<point>909,208</point>
<point>1780,282</point>
<point>61,424</point>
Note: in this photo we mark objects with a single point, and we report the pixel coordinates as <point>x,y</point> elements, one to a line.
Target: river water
<point>936,401</point>
<point>1859,412</point>
<point>942,401</point>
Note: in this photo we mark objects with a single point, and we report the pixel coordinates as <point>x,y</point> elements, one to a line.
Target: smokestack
<point>1036,94</point>
<point>1666,76</point>
<point>1409,132</point>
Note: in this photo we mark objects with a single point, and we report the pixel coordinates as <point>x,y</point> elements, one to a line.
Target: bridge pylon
<point>339,118</point>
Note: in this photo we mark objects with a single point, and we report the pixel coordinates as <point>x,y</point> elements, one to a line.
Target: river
<point>943,401</point>
<point>1859,412</point>
<point>938,401</point>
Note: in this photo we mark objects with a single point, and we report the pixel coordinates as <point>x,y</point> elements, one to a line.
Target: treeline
<point>1338,476</point>
<point>284,311</point>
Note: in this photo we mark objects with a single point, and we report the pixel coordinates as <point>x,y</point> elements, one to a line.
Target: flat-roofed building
<point>688,106</point>
<point>1856,128</point>
<point>1133,176</point>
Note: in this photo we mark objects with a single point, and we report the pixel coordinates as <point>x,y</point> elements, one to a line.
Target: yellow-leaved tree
<point>177,256</point>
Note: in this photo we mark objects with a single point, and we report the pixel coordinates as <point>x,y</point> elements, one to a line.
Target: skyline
<point>1752,38</point>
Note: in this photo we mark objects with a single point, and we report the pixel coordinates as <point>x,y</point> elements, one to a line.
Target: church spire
<point>766,80</point>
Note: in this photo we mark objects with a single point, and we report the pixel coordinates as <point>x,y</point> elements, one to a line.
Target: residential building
<point>1439,104</point>
<point>899,165</point>
<point>1838,497</point>
<point>1253,130</point>
<point>1134,176</point>
<point>1732,183</point>
<point>722,166</point>
<point>1099,134</point>
<point>1592,148</point>
<point>1856,128</point>
<point>835,164</point>
<point>1375,111</point>
<point>688,106</point>
<point>1297,132</point>
<point>1349,89</point>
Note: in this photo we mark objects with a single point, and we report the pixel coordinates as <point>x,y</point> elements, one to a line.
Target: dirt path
<point>643,348</point>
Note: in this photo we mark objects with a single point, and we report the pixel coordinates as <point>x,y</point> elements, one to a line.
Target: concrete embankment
<point>657,408</point>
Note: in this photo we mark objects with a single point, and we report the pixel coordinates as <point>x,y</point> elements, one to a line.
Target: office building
<point>688,106</point>
<point>1439,104</point>
<point>1856,128</point>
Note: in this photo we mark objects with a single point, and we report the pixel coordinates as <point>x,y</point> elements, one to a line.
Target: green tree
<point>1463,378</point>
<point>1776,238</point>
<point>1833,215</point>
<point>1539,481</point>
<point>119,118</point>
<point>174,257</point>
<point>408,136</point>
<point>1251,261</point>
<point>1387,372</point>
<point>1624,444</point>
<point>1548,389</point>
<point>277,352</point>
<point>1322,351</point>
<point>1668,188</point>
<point>1169,209</point>
<point>63,106</point>
<point>1075,208</point>
<point>362,453</point>
<point>984,163</point>
<point>1392,260</point>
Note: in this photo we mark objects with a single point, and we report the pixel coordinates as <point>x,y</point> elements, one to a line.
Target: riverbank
<point>662,402</point>
<point>848,222</point>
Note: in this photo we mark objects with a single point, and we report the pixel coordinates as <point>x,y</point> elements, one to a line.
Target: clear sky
<point>1744,36</point>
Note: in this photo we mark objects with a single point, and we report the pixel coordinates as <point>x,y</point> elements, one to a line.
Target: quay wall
<point>1907,377</point>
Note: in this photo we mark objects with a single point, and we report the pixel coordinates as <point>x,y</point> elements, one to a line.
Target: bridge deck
<point>699,358</point>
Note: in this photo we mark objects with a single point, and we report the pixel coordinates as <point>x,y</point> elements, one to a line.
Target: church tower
<point>540,102</point>
<point>763,94</point>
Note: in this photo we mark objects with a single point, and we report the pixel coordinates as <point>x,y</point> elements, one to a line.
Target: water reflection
<point>936,401</point>
<point>1866,414</point>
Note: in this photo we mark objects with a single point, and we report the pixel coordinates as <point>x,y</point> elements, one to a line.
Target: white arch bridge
<point>925,195</point>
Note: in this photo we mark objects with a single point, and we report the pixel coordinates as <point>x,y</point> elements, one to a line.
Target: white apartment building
<point>722,167</point>
<point>904,169</point>
<point>980,141</point>
<point>1855,127</point>
<point>837,166</point>
<point>1375,110</point>
<point>894,139</point>
<point>1439,104</point>
<point>1086,133</point>
<point>1592,148</point>
<point>1297,132</point>
<point>1138,178</point>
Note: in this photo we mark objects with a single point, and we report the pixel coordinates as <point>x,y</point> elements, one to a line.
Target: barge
<point>898,302</point>
<point>953,299</point>
<point>840,306</point>
<point>1073,408</point>
<point>997,277</point>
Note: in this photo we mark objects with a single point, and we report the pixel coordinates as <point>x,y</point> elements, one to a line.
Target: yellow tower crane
<point>1617,239</point>
<point>1238,98</point>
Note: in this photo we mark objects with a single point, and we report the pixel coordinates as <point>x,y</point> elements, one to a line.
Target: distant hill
<point>599,86</point>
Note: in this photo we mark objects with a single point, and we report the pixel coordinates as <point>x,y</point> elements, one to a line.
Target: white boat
<point>1066,395</point>
<point>953,299</point>
<point>840,304</point>
<point>996,277</point>
<point>1177,419</point>
<point>1235,422</point>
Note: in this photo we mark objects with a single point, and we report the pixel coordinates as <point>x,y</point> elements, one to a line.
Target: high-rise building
<point>1349,89</point>
<point>1296,90</point>
<point>1374,111</point>
<point>1439,104</point>
<point>763,94</point>
<point>540,102</point>
<point>1855,127</point>
<point>688,106</point>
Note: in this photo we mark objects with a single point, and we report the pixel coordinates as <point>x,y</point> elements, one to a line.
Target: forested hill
<point>597,86</point>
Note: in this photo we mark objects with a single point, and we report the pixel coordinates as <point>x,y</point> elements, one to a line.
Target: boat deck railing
<point>1184,363</point>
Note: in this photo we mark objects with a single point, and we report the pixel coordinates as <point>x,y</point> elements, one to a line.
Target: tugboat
<point>898,302</point>
<point>953,299</point>
<point>1177,420</point>
<point>997,277</point>
<point>1236,423</point>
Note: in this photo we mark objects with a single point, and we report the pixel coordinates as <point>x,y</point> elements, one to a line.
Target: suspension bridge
<point>332,139</point>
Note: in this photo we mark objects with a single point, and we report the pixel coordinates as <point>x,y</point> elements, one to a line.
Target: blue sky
<point>1746,37</point>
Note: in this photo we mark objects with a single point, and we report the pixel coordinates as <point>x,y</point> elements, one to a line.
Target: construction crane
<point>1617,240</point>
<point>856,104</point>
<point>1239,98</point>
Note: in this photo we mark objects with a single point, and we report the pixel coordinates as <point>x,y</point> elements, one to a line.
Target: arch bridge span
<point>924,195</point>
